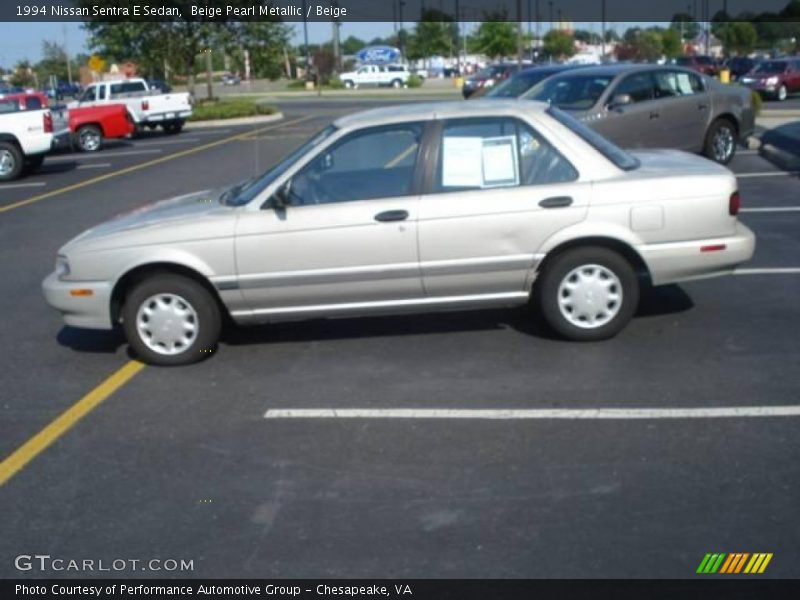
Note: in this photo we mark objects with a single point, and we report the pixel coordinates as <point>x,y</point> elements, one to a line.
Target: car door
<point>347,239</point>
<point>496,191</point>
<point>634,124</point>
<point>684,110</point>
<point>793,76</point>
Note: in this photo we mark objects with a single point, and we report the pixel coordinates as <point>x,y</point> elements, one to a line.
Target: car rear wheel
<point>173,128</point>
<point>89,138</point>
<point>588,293</point>
<point>11,161</point>
<point>720,145</point>
<point>349,84</point>
<point>171,320</point>
<point>397,83</point>
<point>783,93</point>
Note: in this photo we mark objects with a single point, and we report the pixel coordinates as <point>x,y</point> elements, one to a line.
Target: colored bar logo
<point>734,563</point>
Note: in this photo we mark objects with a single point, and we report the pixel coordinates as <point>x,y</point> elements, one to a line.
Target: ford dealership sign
<point>378,54</point>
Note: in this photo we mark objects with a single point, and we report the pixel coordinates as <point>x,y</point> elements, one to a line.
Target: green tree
<point>23,75</point>
<point>738,37</point>
<point>53,63</point>
<point>435,34</point>
<point>496,37</point>
<point>559,44</point>
<point>671,43</point>
<point>352,45</point>
<point>683,22</point>
<point>612,35</point>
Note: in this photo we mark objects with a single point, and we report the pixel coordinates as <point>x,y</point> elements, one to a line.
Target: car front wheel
<point>588,293</point>
<point>11,161</point>
<point>89,138</point>
<point>171,320</point>
<point>783,93</point>
<point>720,144</point>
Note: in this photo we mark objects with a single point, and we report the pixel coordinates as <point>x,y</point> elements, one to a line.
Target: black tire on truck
<point>11,161</point>
<point>173,127</point>
<point>89,138</point>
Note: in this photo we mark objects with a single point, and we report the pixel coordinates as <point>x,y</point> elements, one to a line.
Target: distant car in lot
<point>776,78</point>
<point>90,126</point>
<point>63,89</point>
<point>26,136</point>
<point>740,65</point>
<point>488,77</point>
<point>439,206</point>
<point>23,101</point>
<point>159,85</point>
<point>702,64</point>
<point>653,106</point>
<point>230,79</point>
<point>521,82</point>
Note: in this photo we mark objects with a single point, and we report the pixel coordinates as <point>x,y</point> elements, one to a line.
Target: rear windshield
<point>611,151</point>
<point>771,66</point>
<point>519,84</point>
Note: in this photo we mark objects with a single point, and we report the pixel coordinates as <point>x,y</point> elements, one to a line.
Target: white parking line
<point>771,209</point>
<point>214,132</point>
<point>8,186</point>
<point>767,174</point>
<point>768,271</point>
<point>186,140</point>
<point>82,155</point>
<point>534,413</point>
<point>94,166</point>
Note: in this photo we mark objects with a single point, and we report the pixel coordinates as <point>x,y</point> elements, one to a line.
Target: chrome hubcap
<point>6,162</point>
<point>90,140</point>
<point>167,324</point>
<point>590,296</point>
<point>723,144</point>
<point>782,93</point>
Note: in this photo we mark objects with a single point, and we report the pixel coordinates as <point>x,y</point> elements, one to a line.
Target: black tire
<point>173,127</point>
<point>89,138</point>
<point>11,161</point>
<point>34,163</point>
<point>720,127</point>
<point>349,84</point>
<point>208,319</point>
<point>397,83</point>
<point>547,292</point>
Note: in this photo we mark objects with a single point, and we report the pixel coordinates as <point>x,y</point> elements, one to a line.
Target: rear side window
<point>639,86</point>
<point>8,106</point>
<point>677,83</point>
<point>496,152</point>
<point>127,87</point>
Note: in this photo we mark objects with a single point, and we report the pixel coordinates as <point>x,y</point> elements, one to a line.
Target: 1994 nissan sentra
<point>413,208</point>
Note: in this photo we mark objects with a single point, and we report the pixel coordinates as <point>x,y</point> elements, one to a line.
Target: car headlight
<point>489,83</point>
<point>772,80</point>
<point>62,266</point>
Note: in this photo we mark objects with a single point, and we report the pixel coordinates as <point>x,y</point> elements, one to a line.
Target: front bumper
<point>90,311</point>
<point>682,261</point>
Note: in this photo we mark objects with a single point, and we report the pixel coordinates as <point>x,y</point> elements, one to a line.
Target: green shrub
<point>414,81</point>
<point>229,109</point>
<point>297,84</point>
<point>335,83</point>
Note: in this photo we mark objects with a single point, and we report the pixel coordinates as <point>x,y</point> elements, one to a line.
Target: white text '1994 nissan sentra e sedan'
<point>414,208</point>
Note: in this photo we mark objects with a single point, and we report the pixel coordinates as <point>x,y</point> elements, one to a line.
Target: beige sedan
<point>424,207</point>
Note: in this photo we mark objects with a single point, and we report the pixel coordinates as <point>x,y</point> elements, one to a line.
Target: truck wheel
<point>11,161</point>
<point>720,144</point>
<point>171,320</point>
<point>89,138</point>
<point>588,293</point>
<point>173,127</point>
<point>34,163</point>
<point>349,84</point>
<point>397,83</point>
<point>783,93</point>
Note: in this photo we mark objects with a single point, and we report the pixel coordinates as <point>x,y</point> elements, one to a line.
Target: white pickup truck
<point>147,107</point>
<point>25,138</point>
<point>378,75</point>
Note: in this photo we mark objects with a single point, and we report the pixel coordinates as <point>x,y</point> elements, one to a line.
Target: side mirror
<point>280,199</point>
<point>620,100</point>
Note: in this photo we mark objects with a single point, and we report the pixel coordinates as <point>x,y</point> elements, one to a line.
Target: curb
<point>779,114</point>
<point>258,119</point>
<point>780,158</point>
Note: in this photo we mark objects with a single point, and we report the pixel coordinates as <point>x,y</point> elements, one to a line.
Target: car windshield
<point>771,66</point>
<point>611,151</point>
<point>519,84</point>
<point>571,92</point>
<point>244,192</point>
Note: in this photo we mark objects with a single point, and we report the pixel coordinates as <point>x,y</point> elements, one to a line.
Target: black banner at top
<point>398,11</point>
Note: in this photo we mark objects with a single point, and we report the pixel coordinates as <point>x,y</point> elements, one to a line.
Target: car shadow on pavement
<point>49,168</point>
<point>91,340</point>
<point>663,300</point>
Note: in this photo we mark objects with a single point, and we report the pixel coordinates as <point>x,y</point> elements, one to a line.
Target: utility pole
<point>519,33</point>
<point>400,36</point>
<point>538,26</point>
<point>550,2</point>
<point>66,55</point>
<point>603,29</point>
<point>458,37</point>
<point>337,58</point>
<point>305,41</point>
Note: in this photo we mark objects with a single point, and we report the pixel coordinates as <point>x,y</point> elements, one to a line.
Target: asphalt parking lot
<point>183,463</point>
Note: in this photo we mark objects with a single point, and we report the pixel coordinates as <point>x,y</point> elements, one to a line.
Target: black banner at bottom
<point>435,589</point>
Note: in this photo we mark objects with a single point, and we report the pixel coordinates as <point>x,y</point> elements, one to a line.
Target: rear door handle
<point>392,215</point>
<point>556,202</point>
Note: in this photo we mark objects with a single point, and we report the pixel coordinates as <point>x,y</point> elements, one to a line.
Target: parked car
<point>230,79</point>
<point>775,78</point>
<point>702,64</point>
<point>488,77</point>
<point>376,75</point>
<point>6,89</point>
<point>521,82</point>
<point>89,126</point>
<point>25,137</point>
<point>653,106</point>
<point>147,109</point>
<point>63,89</point>
<point>740,65</point>
<point>159,85</point>
<point>439,206</point>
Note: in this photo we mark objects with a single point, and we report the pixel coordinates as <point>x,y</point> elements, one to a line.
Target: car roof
<point>620,69</point>
<point>438,110</point>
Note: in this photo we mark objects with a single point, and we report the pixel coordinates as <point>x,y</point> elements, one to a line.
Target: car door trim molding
<point>480,264</point>
<point>440,300</point>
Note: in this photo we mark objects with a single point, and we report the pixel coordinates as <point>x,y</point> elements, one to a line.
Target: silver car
<point>652,106</point>
<point>415,208</point>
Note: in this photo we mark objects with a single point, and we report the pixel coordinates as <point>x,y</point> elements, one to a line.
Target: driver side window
<point>369,164</point>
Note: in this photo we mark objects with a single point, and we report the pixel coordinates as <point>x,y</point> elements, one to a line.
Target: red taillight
<point>145,105</point>
<point>48,122</point>
<point>734,204</point>
<point>713,248</point>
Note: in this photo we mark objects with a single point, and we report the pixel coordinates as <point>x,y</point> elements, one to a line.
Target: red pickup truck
<point>90,125</point>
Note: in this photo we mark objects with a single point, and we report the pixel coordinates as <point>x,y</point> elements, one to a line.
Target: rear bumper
<point>89,311</point>
<point>167,116</point>
<point>698,259</point>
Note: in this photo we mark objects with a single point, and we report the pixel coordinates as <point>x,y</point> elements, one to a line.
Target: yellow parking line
<point>66,420</point>
<point>155,161</point>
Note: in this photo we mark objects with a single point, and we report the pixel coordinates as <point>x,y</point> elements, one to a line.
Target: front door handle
<point>654,114</point>
<point>392,215</point>
<point>556,202</point>
<point>702,106</point>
